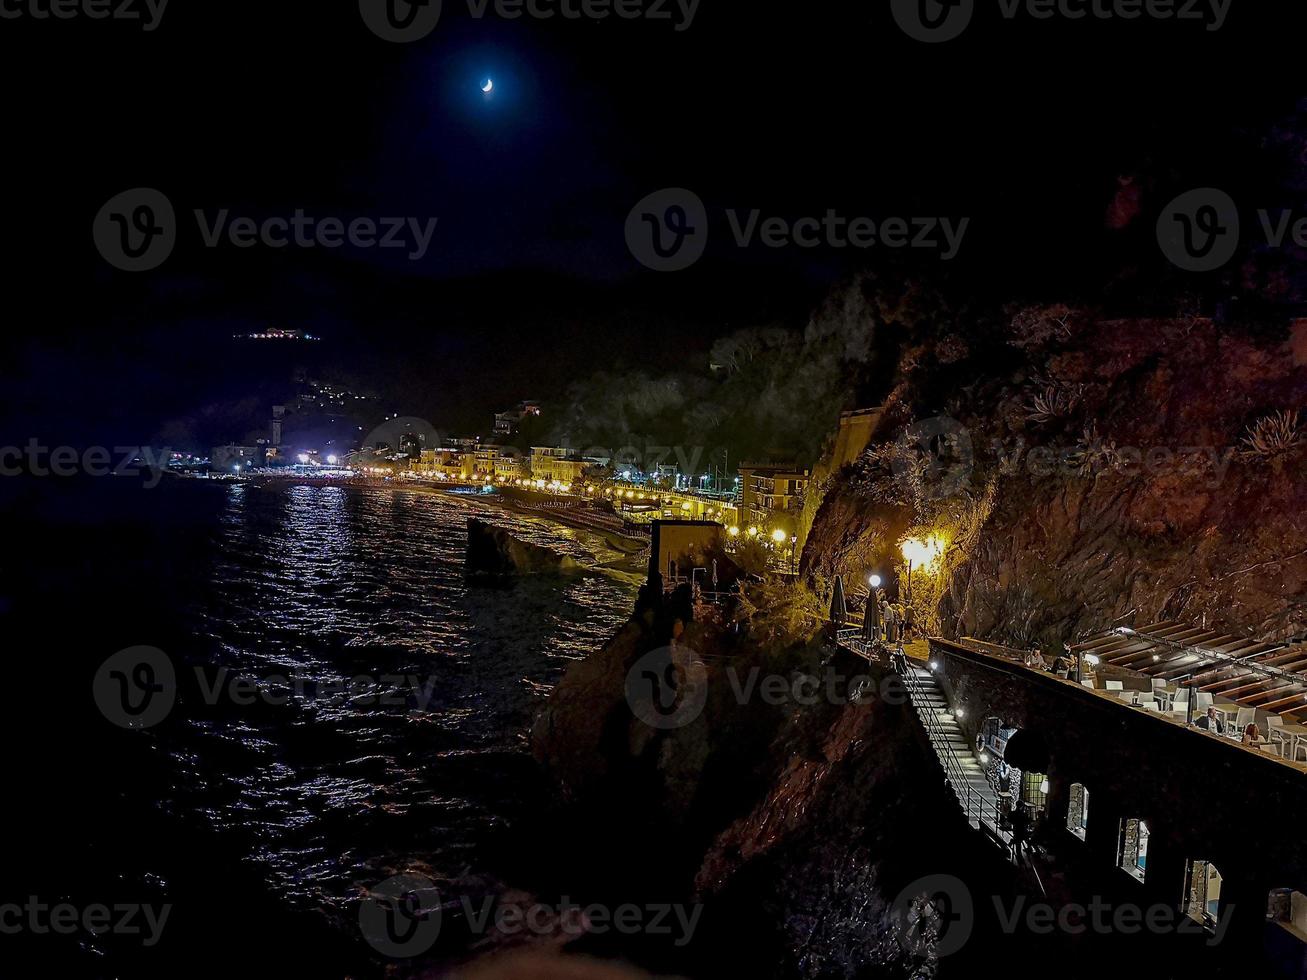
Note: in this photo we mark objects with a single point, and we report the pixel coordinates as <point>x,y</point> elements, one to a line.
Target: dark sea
<point>347,707</point>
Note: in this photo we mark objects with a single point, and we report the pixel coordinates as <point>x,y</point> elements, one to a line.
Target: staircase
<point>962,770</point>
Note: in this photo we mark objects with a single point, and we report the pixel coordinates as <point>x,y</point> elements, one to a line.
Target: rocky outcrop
<point>794,824</point>
<point>1145,467</point>
<point>493,552</point>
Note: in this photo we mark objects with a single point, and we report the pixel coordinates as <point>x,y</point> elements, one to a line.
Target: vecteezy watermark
<point>66,919</point>
<point>938,451</point>
<point>935,458</point>
<point>403,21</point>
<point>934,21</point>
<point>138,229</point>
<point>667,688</point>
<point>36,459</point>
<point>1200,230</point>
<point>137,688</point>
<point>667,231</point>
<point>933,914</point>
<point>147,13</point>
<point>402,917</point>
<point>936,915</point>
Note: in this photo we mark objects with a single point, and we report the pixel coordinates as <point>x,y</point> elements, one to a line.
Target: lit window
<point>1133,851</point>
<point>1202,892</point>
<point>1077,812</point>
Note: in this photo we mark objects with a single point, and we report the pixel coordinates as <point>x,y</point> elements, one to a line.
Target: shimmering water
<point>323,584</point>
<point>271,818</point>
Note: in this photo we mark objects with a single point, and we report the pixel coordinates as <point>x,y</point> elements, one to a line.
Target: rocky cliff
<point>1089,470</point>
<point>795,821</point>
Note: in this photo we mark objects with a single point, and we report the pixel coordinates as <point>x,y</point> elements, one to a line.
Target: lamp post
<point>909,581</point>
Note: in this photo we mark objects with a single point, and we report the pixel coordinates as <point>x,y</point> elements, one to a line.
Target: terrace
<point>1181,670</point>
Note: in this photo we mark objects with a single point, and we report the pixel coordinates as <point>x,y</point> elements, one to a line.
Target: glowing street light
<point>778,536</point>
<point>874,581</point>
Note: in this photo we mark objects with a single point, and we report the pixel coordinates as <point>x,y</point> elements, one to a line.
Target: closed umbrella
<point>839,610</point>
<point>871,620</point>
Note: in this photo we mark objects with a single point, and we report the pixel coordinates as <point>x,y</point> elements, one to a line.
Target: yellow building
<point>771,496</point>
<point>552,464</point>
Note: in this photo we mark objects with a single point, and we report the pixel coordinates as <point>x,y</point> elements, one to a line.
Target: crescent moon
<point>489,85</point>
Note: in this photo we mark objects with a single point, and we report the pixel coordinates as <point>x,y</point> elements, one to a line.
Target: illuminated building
<point>771,493</point>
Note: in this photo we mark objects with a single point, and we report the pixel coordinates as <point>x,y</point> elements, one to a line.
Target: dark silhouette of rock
<point>493,552</point>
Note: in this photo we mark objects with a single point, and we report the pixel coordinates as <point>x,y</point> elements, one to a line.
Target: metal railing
<point>972,802</point>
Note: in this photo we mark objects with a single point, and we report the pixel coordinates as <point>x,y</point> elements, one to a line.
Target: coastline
<point>631,560</point>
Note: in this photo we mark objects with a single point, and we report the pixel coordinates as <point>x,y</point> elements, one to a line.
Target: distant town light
<point>331,460</point>
<point>733,531</point>
<point>753,532</point>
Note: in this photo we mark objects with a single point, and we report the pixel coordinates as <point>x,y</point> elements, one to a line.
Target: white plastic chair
<point>1180,705</point>
<point>1275,730</point>
<point>1205,701</point>
<point>1243,719</point>
<point>1115,685</point>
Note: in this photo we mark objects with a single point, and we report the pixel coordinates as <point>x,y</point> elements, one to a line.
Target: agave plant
<point>1052,403</point>
<point>1271,436</point>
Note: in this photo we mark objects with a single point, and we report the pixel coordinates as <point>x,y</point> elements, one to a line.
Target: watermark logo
<point>938,451</point>
<point>667,231</point>
<point>66,919</point>
<point>936,915</point>
<point>404,21</point>
<point>399,432</point>
<point>136,688</point>
<point>147,13</point>
<point>667,688</point>
<point>1199,230</point>
<point>933,21</point>
<point>400,918</point>
<point>136,230</point>
<point>400,21</point>
<point>933,915</point>
<point>36,459</point>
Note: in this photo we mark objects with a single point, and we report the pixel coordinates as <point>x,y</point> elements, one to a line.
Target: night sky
<point>1029,128</point>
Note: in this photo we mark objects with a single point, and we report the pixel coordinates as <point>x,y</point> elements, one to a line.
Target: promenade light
<point>753,532</point>
<point>778,536</point>
<point>874,581</point>
<point>733,531</point>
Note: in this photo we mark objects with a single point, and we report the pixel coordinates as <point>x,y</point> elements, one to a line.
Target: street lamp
<point>874,581</point>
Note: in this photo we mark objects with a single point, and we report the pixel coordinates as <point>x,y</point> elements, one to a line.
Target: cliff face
<point>796,825</point>
<point>1154,466</point>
